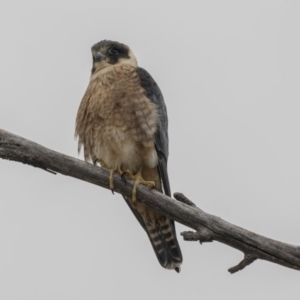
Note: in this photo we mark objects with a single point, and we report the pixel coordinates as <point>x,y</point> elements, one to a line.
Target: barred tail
<point>162,235</point>
<point>164,242</point>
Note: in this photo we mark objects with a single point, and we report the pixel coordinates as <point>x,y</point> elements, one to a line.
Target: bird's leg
<point>111,177</point>
<point>137,180</point>
<point>111,173</point>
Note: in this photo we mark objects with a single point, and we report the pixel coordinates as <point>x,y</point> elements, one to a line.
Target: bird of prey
<point>122,124</point>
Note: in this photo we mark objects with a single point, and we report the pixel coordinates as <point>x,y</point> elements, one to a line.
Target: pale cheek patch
<point>126,61</point>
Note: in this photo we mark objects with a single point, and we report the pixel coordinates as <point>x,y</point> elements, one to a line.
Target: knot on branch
<point>203,235</point>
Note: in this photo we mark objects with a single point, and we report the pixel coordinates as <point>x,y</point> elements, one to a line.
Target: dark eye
<point>113,51</point>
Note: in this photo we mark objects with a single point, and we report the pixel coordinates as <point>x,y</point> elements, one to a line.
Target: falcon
<point>122,124</point>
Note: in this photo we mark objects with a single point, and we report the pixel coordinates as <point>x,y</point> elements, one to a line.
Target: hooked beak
<point>99,57</point>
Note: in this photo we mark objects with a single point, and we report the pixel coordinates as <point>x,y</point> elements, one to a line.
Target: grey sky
<point>229,72</point>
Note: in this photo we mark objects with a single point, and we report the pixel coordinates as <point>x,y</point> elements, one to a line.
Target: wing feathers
<point>154,94</point>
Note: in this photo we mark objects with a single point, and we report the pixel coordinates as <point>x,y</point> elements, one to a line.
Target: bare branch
<point>182,210</point>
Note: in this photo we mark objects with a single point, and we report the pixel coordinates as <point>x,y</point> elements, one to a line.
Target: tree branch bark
<point>208,227</point>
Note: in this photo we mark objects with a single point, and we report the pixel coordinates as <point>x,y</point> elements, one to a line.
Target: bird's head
<point>107,53</point>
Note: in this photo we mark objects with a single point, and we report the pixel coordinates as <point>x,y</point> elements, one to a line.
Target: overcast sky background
<point>229,72</point>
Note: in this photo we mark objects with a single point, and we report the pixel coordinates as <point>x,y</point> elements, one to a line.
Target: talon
<point>137,180</point>
<point>102,163</point>
<point>124,180</point>
<point>128,174</point>
<point>123,177</point>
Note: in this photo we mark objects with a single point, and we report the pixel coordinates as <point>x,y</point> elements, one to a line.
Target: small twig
<point>203,235</point>
<point>50,171</point>
<point>248,259</point>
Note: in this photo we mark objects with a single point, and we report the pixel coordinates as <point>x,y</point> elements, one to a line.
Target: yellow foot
<point>102,163</point>
<point>111,173</point>
<point>111,178</point>
<point>137,180</point>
